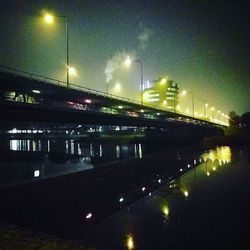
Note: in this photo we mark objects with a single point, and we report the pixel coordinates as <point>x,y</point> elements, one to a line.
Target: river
<point>128,196</point>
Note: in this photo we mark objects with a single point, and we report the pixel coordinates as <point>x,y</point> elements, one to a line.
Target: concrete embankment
<point>232,137</point>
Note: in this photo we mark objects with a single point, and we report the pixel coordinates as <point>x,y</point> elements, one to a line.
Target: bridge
<point>27,97</point>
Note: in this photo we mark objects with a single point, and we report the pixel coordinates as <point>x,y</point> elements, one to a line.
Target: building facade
<point>164,93</point>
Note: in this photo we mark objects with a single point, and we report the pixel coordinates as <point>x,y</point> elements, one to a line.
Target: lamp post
<point>212,109</point>
<point>184,92</point>
<point>204,107</point>
<point>219,113</point>
<point>127,62</point>
<point>50,19</point>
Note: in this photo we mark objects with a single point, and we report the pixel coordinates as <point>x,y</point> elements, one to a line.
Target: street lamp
<point>184,92</point>
<point>204,106</point>
<point>127,62</point>
<point>48,18</point>
<point>219,113</point>
<point>212,109</point>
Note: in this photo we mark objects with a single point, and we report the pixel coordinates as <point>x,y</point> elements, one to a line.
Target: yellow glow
<point>165,210</point>
<point>214,168</point>
<point>178,107</point>
<point>48,18</point>
<point>128,61</point>
<point>212,108</point>
<point>187,111</point>
<point>165,102</point>
<point>120,107</point>
<point>208,173</point>
<point>163,80</point>
<point>130,242</point>
<point>220,154</point>
<point>184,92</point>
<point>206,105</point>
<point>185,192</point>
<point>146,96</point>
<point>118,87</point>
<point>72,71</point>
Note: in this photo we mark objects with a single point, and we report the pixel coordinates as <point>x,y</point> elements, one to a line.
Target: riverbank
<point>15,237</point>
<point>232,137</point>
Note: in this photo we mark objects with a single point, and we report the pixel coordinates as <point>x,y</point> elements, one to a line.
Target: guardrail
<point>53,81</point>
<point>70,86</point>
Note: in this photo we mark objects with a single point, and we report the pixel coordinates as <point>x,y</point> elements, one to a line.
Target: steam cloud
<point>119,58</point>
<point>112,64</point>
<point>144,37</point>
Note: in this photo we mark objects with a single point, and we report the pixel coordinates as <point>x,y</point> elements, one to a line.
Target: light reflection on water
<point>52,158</point>
<point>73,147</point>
<point>177,188</point>
<point>170,198</point>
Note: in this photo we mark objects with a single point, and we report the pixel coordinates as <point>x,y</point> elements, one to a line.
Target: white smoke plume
<point>114,63</point>
<point>144,37</point>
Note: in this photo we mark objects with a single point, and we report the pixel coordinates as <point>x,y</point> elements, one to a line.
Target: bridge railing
<point>72,86</point>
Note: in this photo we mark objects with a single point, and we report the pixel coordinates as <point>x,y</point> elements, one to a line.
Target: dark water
<point>128,196</point>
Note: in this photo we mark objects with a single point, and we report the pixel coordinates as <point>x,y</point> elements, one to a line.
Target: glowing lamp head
<point>163,81</point>
<point>72,71</point>
<point>184,92</point>
<point>128,61</point>
<point>48,18</point>
<point>117,87</point>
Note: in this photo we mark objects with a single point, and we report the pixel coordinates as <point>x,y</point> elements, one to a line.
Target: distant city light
<point>121,199</point>
<point>143,189</point>
<point>165,210</point>
<point>88,101</point>
<point>186,193</point>
<point>36,91</point>
<point>36,173</point>
<point>208,173</point>
<point>159,181</point>
<point>88,216</point>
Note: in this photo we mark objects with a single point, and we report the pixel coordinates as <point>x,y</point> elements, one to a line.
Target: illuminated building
<point>163,93</point>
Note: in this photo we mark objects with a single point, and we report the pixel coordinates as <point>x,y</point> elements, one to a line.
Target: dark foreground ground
<point>14,237</point>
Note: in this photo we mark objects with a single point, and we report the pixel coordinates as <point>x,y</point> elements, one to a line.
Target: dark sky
<point>204,46</point>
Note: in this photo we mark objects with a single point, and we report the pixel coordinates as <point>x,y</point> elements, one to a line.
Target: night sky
<point>204,46</point>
